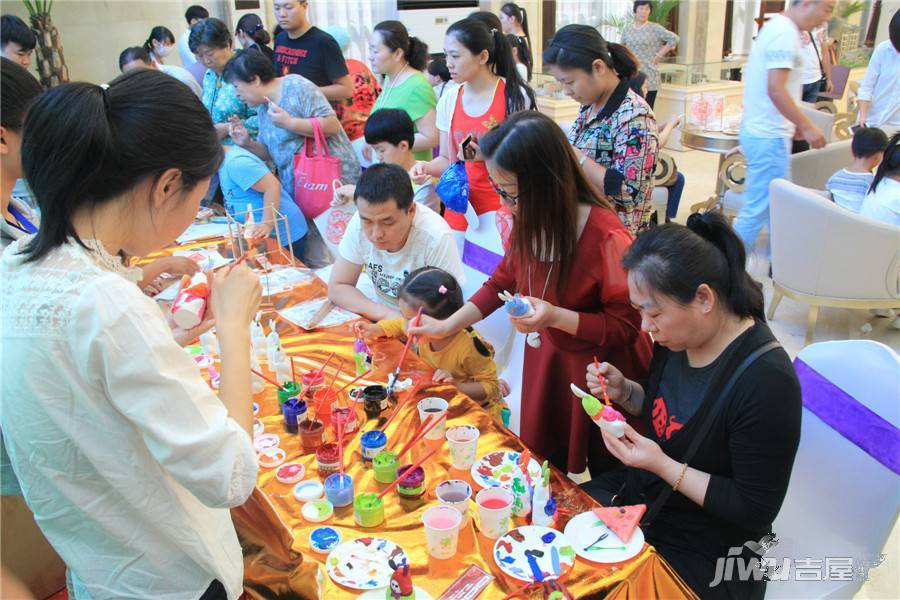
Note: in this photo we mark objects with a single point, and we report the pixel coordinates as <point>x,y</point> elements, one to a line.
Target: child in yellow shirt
<point>464,360</point>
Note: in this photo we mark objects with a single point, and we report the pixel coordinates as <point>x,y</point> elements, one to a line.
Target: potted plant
<point>51,63</point>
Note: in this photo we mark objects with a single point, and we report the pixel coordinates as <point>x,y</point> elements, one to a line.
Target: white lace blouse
<point>128,460</point>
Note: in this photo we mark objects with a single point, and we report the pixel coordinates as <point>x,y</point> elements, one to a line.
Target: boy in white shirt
<point>389,237</point>
<point>849,186</point>
<point>391,132</point>
<point>772,88</point>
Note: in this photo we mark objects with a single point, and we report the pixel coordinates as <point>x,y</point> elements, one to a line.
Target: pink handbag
<point>314,170</point>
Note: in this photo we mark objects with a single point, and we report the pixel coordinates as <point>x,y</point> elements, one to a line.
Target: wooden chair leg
<point>776,298</point>
<point>811,317</point>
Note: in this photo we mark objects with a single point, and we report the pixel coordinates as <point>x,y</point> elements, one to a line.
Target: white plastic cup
<point>434,408</point>
<point>494,511</point>
<point>463,442</point>
<point>456,493</point>
<point>442,530</point>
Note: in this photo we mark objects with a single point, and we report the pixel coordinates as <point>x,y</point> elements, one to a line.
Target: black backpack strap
<point>700,435</point>
<point>812,40</point>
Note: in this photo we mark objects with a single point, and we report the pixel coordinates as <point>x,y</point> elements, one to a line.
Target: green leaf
<point>661,10</point>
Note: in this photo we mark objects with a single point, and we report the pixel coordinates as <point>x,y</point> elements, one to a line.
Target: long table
<point>278,561</point>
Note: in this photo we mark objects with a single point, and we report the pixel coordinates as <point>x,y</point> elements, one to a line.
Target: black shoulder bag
<point>700,435</point>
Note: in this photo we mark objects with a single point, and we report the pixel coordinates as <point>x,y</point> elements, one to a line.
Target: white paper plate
<point>585,532</point>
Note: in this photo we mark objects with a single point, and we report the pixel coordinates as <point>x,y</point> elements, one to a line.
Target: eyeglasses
<point>506,196</point>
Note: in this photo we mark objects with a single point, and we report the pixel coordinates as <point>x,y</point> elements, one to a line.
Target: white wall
<point>94,32</point>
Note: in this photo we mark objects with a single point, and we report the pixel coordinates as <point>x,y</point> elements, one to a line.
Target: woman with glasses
<point>564,255</point>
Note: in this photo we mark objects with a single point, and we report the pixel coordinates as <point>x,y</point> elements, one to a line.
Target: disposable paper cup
<point>463,442</point>
<point>434,408</point>
<point>456,493</point>
<point>441,530</point>
<point>494,510</point>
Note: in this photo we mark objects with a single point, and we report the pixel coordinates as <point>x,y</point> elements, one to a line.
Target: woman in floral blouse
<point>211,41</point>
<point>616,129</point>
<point>650,42</point>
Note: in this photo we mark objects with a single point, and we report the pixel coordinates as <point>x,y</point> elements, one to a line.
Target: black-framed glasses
<point>506,196</point>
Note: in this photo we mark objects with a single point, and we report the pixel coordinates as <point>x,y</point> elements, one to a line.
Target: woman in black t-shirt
<point>705,314</point>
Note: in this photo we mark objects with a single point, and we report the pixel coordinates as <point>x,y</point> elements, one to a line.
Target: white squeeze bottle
<point>248,222</point>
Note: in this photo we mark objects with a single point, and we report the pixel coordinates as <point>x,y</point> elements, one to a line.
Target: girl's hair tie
<point>442,291</point>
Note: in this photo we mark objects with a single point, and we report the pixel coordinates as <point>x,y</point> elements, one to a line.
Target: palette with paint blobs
<point>364,563</point>
<point>533,553</point>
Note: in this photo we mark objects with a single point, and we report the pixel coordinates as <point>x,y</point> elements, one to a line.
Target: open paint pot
<point>339,489</point>
<point>368,510</point>
<point>372,442</point>
<point>375,399</point>
<point>328,459</point>
<point>412,483</point>
<point>291,390</point>
<point>312,434</point>
<point>385,466</point>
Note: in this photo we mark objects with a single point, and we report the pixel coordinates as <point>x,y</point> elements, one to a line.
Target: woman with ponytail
<point>718,379</point>
<point>159,44</point>
<point>616,130</point>
<point>120,170</point>
<point>514,21</point>
<point>522,54</point>
<point>251,33</point>
<point>490,91</point>
<point>401,58</point>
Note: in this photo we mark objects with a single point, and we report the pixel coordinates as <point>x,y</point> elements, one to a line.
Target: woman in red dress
<point>564,256</point>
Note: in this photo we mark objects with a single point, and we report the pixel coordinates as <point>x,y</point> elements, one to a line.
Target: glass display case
<point>683,74</point>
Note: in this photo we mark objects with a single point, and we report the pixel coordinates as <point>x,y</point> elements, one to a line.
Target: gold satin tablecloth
<point>278,562</point>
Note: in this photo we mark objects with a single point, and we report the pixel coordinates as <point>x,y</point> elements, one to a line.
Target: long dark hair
<point>83,145</point>
<point>475,35</point>
<point>675,260</point>
<point>532,146</point>
<point>252,26</point>
<point>436,290</point>
<point>578,46</point>
<point>513,10</point>
<point>890,164</point>
<point>394,35</point>
<point>160,34</point>
<point>18,89</point>
<point>523,51</point>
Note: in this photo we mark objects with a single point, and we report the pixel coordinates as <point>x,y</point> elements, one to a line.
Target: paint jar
<point>375,400</point>
<point>291,390</point>
<point>385,466</point>
<point>412,484</point>
<point>368,510</point>
<point>372,442</point>
<point>314,383</point>
<point>312,434</point>
<point>328,459</point>
<point>294,411</point>
<point>339,489</point>
<point>343,417</point>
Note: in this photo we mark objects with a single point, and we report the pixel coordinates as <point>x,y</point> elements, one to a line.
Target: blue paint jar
<point>372,443</point>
